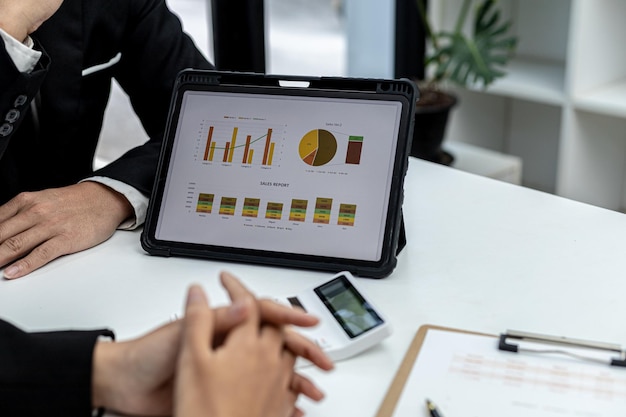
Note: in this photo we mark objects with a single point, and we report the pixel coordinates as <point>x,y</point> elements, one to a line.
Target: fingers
<point>297,383</point>
<point>274,339</point>
<point>271,312</point>
<point>226,318</point>
<point>41,226</point>
<point>198,322</point>
<point>20,236</point>
<point>38,257</point>
<point>277,314</point>
<point>252,349</point>
<point>236,290</point>
<point>303,385</point>
<point>239,293</point>
<point>9,210</point>
<point>297,413</point>
<point>307,349</point>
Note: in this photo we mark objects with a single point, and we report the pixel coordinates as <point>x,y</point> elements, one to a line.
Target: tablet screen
<point>292,174</point>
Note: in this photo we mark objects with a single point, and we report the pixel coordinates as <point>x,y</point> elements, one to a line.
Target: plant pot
<point>431,119</point>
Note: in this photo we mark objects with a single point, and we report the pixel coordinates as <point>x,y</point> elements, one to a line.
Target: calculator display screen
<point>355,315</point>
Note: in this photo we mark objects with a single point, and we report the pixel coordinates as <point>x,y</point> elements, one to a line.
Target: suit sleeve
<point>17,90</point>
<point>46,373</point>
<point>155,51</point>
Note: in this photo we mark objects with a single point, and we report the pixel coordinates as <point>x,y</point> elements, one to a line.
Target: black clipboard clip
<point>562,341</point>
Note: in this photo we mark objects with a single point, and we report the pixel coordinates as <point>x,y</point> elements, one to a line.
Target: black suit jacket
<point>59,149</point>
<point>46,374</point>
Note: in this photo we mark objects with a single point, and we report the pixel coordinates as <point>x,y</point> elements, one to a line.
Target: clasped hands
<point>230,361</point>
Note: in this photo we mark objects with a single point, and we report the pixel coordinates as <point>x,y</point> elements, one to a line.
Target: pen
<point>432,409</point>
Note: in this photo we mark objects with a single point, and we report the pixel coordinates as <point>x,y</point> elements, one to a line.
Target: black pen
<point>432,409</point>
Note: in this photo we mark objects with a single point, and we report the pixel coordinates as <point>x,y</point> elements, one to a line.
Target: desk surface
<point>482,255</point>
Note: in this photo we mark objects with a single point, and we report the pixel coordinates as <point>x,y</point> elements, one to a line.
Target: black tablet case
<point>394,239</point>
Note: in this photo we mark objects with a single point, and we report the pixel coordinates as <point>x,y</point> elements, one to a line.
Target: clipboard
<point>392,396</point>
<point>594,361</point>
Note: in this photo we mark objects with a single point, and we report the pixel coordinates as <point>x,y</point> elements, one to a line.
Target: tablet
<point>300,172</point>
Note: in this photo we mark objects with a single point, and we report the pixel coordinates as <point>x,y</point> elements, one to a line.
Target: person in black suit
<point>57,60</point>
<point>229,361</point>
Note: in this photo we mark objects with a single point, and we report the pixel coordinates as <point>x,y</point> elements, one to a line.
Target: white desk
<point>482,255</point>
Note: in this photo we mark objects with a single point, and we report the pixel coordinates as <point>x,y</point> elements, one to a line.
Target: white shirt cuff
<point>23,55</point>
<point>138,201</point>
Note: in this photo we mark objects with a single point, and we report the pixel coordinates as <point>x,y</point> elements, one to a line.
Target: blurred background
<point>556,122</point>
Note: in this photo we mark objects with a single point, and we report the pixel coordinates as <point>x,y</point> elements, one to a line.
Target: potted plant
<point>467,60</point>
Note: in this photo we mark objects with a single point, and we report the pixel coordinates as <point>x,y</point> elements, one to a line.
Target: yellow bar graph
<point>271,155</point>
<point>212,151</point>
<point>232,145</point>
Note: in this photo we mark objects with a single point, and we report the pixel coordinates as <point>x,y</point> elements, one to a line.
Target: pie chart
<point>318,147</point>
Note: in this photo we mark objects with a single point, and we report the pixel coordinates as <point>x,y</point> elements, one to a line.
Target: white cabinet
<point>562,105</point>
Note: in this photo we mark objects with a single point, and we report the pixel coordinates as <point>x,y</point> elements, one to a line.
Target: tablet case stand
<point>402,235</point>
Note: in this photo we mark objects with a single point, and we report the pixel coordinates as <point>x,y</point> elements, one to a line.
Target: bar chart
<point>227,206</point>
<point>274,211</point>
<point>355,146</point>
<point>322,210</point>
<point>205,203</point>
<point>347,212</point>
<point>297,213</point>
<point>252,206</point>
<point>231,143</point>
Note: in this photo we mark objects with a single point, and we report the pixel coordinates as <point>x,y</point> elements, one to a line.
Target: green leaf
<point>478,59</point>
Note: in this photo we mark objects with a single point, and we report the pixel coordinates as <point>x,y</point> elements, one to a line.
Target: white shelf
<point>533,80</point>
<point>609,100</point>
<point>561,106</point>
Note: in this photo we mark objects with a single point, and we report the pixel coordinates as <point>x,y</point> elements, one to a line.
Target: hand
<point>136,377</point>
<point>37,227</point>
<point>249,375</point>
<point>275,314</point>
<point>20,18</point>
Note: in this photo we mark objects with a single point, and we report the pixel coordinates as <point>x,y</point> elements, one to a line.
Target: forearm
<point>111,201</point>
<point>137,200</point>
<point>104,360</point>
<point>12,22</point>
<point>21,18</point>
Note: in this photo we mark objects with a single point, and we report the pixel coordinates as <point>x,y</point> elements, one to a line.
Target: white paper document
<point>466,375</point>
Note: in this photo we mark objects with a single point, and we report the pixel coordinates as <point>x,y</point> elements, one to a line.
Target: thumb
<point>198,324</point>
